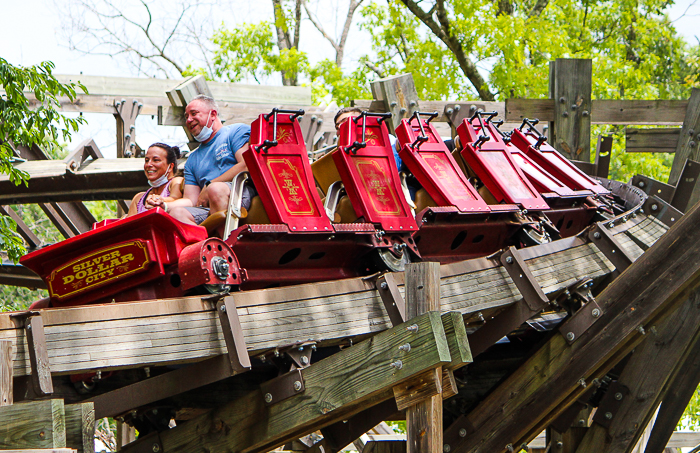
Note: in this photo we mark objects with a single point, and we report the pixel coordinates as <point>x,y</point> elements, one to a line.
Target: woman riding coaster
<point>160,167</point>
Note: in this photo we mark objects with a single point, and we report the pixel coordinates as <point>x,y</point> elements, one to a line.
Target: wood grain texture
<point>80,427</point>
<point>570,84</point>
<point>658,140</point>
<point>336,387</point>
<point>35,424</point>
<point>664,347</point>
<point>6,387</point>
<point>689,142</point>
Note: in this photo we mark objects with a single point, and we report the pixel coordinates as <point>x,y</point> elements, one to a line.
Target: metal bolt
<point>582,422</point>
<point>618,396</point>
<point>446,448</point>
<point>268,397</point>
<point>611,225</point>
<point>156,447</point>
<point>223,309</point>
<point>608,415</point>
<point>403,110</point>
<point>383,285</point>
<point>304,360</point>
<point>412,103</point>
<point>509,259</point>
<point>29,327</point>
<point>412,328</point>
<point>570,336</point>
<point>582,382</point>
<point>574,107</point>
<point>654,207</point>
<point>405,347</point>
<point>691,132</point>
<point>596,235</point>
<point>585,113</point>
<point>277,353</point>
<point>691,144</point>
<point>641,330</point>
<point>509,447</point>
<point>397,364</point>
<point>562,100</point>
<point>641,184</point>
<point>595,312</point>
<point>565,114</point>
<point>462,432</point>
<point>297,386</point>
<point>449,112</point>
<point>560,444</point>
<point>393,104</point>
<point>459,107</point>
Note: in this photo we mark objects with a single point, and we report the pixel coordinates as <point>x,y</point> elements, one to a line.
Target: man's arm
<point>240,166</point>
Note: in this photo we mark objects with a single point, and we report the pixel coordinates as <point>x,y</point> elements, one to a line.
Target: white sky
<point>31,33</point>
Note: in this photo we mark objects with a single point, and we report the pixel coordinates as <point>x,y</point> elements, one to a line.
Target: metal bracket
<point>521,275</point>
<point>301,354</point>
<point>610,404</point>
<point>233,335</point>
<point>456,433</point>
<point>611,248</point>
<point>577,324</point>
<point>38,354</point>
<point>282,387</point>
<point>393,302</point>
<point>653,187</point>
<point>664,212</point>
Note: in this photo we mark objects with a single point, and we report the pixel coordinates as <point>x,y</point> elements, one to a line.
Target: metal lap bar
<point>233,335</point>
<point>267,144</point>
<point>38,354</point>
<point>611,248</point>
<point>531,128</point>
<point>526,283</point>
<point>423,137</point>
<point>356,146</point>
<point>393,302</point>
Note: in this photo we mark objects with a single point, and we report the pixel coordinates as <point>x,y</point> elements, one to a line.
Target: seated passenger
<point>160,167</point>
<point>211,167</point>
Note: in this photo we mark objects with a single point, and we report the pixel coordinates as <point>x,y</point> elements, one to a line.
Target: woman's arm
<point>134,204</point>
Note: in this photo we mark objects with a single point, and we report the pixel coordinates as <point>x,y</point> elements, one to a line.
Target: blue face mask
<point>205,133</point>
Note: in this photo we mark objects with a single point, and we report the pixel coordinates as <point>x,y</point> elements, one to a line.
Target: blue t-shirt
<point>214,158</point>
<point>393,141</point>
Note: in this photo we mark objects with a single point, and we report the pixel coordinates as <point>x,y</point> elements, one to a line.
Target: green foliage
<point>328,79</point>
<point>22,123</point>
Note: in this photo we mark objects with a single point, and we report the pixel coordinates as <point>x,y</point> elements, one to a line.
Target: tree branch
<point>536,10</point>
<point>442,31</point>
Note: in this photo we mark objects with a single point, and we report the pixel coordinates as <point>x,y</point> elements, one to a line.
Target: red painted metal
<point>196,262</point>
<point>282,175</point>
<point>535,146</point>
<point>136,258</point>
<point>493,164</point>
<point>428,159</point>
<point>366,164</point>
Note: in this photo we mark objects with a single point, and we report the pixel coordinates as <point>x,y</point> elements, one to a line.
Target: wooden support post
<point>663,346</point>
<point>558,373</point>
<point>6,388</point>
<point>385,446</point>
<point>424,419</point>
<point>36,424</point>
<point>80,427</point>
<point>335,389</point>
<point>688,146</point>
<point>126,434</point>
<point>570,83</point>
<point>399,96</point>
<point>182,94</point>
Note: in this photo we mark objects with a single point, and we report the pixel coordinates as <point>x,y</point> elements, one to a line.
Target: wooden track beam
<point>335,388</point>
<point>553,377</point>
<point>664,347</point>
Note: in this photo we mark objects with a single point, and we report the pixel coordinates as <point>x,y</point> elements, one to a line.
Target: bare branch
<point>540,5</point>
<point>374,69</point>
<point>297,23</point>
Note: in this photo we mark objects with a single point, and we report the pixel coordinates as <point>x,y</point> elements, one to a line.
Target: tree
<point>41,125</point>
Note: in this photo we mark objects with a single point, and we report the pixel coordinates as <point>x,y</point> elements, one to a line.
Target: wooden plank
<point>423,419</point>
<point>80,427</point>
<point>35,424</point>
<point>658,140</point>
<point>664,346</point>
<point>385,446</point>
<point>6,387</point>
<point>570,84</point>
<point>246,113</point>
<point>336,387</point>
<point>687,147</point>
<point>625,112</point>
<point>399,95</point>
<point>524,403</point>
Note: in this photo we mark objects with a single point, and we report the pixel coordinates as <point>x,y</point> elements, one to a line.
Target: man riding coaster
<point>210,169</point>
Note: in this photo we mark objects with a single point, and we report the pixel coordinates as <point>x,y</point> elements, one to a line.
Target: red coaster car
<point>146,256</point>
